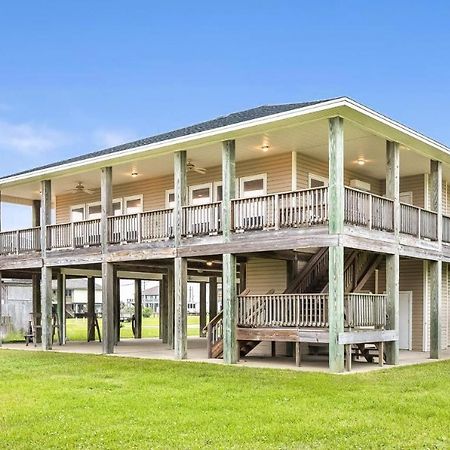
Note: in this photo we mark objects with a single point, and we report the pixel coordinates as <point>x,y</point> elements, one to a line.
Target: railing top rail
<point>365,294</point>
<point>121,216</point>
<point>61,224</point>
<point>19,230</point>
<point>298,191</point>
<point>369,194</point>
<point>199,206</point>
<point>419,208</point>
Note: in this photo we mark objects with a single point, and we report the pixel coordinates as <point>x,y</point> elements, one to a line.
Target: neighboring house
<point>328,218</point>
<point>76,295</point>
<point>150,298</point>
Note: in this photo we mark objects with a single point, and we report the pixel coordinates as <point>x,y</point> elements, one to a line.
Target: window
<point>253,186</point>
<point>133,204</point>
<point>217,191</point>
<point>316,181</point>
<point>200,194</point>
<point>170,198</point>
<point>94,210</point>
<point>77,213</point>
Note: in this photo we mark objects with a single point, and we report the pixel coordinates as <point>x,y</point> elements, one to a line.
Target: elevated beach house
<point>324,225</point>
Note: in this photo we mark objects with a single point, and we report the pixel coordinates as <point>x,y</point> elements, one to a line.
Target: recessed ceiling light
<point>360,161</point>
<point>209,263</point>
<point>265,148</point>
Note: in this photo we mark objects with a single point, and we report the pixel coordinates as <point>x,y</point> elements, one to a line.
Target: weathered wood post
<point>229,300</point>
<point>393,261</point>
<point>180,308</point>
<point>2,327</point>
<point>108,337</point>
<point>180,264</point>
<point>202,308</point>
<point>46,272</point>
<point>170,308</point>
<point>116,308</point>
<point>138,308</point>
<point>336,203</point>
<point>90,309</point>
<point>436,315</point>
<point>36,307</point>
<point>61,306</point>
<point>163,307</point>
<point>212,297</point>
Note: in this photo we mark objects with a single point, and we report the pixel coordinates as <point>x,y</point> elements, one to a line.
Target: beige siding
<point>411,279</point>
<point>416,185</point>
<point>264,275</point>
<point>307,166</point>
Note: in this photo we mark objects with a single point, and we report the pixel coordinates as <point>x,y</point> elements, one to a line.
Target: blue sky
<point>82,75</point>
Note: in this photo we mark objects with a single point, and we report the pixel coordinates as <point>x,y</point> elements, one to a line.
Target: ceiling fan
<point>80,188</point>
<point>191,167</point>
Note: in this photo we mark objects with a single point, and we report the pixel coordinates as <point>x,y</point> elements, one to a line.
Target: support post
<point>138,308</point>
<point>108,337</point>
<point>229,301</point>
<point>180,308</point>
<point>202,308</point>
<point>116,308</point>
<point>180,189</point>
<point>2,326</point>
<point>36,294</point>
<point>435,309</point>
<point>393,180</point>
<point>163,308</point>
<point>228,186</point>
<point>170,308</point>
<point>336,253</point>
<point>61,307</point>
<point>435,189</point>
<point>393,261</point>
<point>46,307</point>
<point>212,297</point>
<point>106,204</point>
<point>90,309</point>
<point>393,302</point>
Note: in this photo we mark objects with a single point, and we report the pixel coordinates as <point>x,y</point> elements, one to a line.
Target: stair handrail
<point>210,332</point>
<point>348,263</point>
<point>309,267</point>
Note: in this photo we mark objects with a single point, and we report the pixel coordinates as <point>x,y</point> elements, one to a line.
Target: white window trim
<point>133,197</point>
<point>168,192</point>
<point>216,184</point>
<point>79,206</point>
<point>201,186</point>
<point>313,176</point>
<point>88,205</point>
<point>119,200</point>
<point>259,176</point>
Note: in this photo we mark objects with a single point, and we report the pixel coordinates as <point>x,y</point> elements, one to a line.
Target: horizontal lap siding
<point>278,169</point>
<point>416,185</point>
<point>307,165</point>
<point>266,274</point>
<point>411,279</point>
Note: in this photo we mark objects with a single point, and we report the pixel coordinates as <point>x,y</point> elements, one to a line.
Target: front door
<point>405,321</point>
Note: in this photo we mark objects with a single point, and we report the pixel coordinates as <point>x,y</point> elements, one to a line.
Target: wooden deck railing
<point>368,210</point>
<point>303,208</point>
<point>418,222</point>
<point>202,219</point>
<point>287,209</point>
<point>309,310</point>
<point>84,233</point>
<point>365,310</point>
<point>20,241</point>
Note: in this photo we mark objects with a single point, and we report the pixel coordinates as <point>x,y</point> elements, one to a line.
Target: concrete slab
<point>155,349</point>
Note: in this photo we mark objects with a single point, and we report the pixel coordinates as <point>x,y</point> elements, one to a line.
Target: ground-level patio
<point>155,349</point>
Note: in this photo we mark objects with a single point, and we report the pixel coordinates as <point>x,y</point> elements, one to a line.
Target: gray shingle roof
<point>219,122</point>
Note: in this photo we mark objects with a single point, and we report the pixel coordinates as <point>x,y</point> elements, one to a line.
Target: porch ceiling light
<point>265,148</point>
<point>209,263</point>
<point>134,173</point>
<point>360,161</point>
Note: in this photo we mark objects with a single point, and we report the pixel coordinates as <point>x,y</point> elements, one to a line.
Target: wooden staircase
<point>368,352</point>
<point>214,333</point>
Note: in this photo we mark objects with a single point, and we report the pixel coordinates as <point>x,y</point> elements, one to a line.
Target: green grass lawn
<point>79,401</point>
<point>77,329</point>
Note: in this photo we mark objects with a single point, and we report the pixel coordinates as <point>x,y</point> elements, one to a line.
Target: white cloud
<point>28,138</point>
<point>110,138</point>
